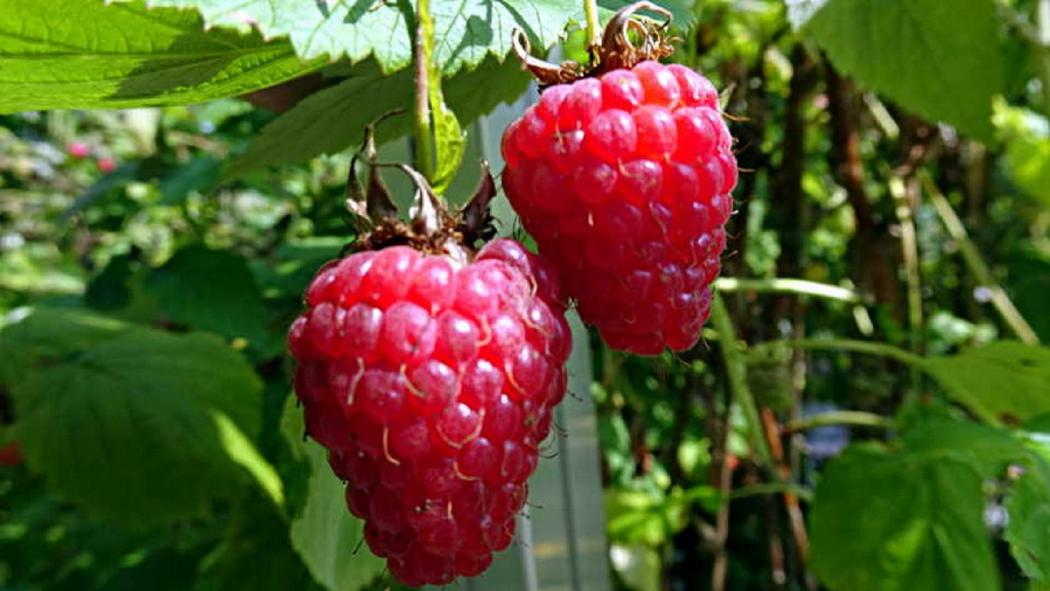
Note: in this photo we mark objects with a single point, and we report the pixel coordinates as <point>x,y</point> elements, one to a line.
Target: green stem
<point>1043,49</point>
<point>841,417</point>
<point>424,139</point>
<point>912,280</point>
<point>594,28</point>
<point>736,371</point>
<point>880,349</point>
<point>972,257</point>
<point>788,286</point>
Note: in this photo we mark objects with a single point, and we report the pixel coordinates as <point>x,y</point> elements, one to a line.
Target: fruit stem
<point>423,139</point>
<point>594,29</point>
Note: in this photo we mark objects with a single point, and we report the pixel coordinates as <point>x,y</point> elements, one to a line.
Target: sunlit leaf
<point>324,533</point>
<point>85,54</point>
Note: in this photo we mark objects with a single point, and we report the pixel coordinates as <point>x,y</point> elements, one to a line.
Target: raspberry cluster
<point>431,383</point>
<point>624,181</point>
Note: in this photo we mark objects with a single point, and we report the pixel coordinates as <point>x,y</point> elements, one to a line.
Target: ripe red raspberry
<point>431,383</point>
<point>624,181</point>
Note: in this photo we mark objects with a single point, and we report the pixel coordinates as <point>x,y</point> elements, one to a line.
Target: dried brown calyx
<point>627,40</point>
<point>430,228</point>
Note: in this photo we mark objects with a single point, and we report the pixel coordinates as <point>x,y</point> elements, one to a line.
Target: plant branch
<point>910,259</point>
<point>879,349</point>
<point>848,170</point>
<point>736,375</point>
<point>852,418</point>
<point>789,286</point>
<point>794,511</point>
<point>736,371</point>
<point>724,482</point>
<point>972,257</point>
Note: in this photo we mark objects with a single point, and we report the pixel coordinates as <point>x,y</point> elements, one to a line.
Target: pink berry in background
<point>78,150</point>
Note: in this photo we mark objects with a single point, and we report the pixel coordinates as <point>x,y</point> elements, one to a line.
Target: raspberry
<point>624,180</point>
<point>78,150</point>
<point>431,382</point>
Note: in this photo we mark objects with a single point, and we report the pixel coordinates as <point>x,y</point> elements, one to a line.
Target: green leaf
<point>256,554</point>
<point>651,517</point>
<point>1002,381</point>
<point>939,59</point>
<point>324,534</point>
<point>467,31</point>
<point>211,290</point>
<point>109,290</point>
<point>988,449</point>
<point>331,120</point>
<point>636,518</point>
<point>136,424</point>
<point>1027,138</point>
<point>1028,530</point>
<point>49,335</point>
<point>86,54</point>
<point>885,521</point>
<point>200,174</point>
<point>294,265</point>
<point>449,140</point>
<point>643,568</point>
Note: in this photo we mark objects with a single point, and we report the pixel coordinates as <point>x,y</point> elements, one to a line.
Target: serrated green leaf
<point>86,54</point>
<point>324,533</point>
<point>335,118</point>
<point>49,336</point>
<point>1028,529</point>
<point>466,32</point>
<point>884,521</point>
<point>936,58</point>
<point>132,423</point>
<point>211,290</point>
<point>1002,381</point>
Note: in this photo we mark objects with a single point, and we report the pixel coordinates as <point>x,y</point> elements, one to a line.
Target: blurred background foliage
<point>162,252</point>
